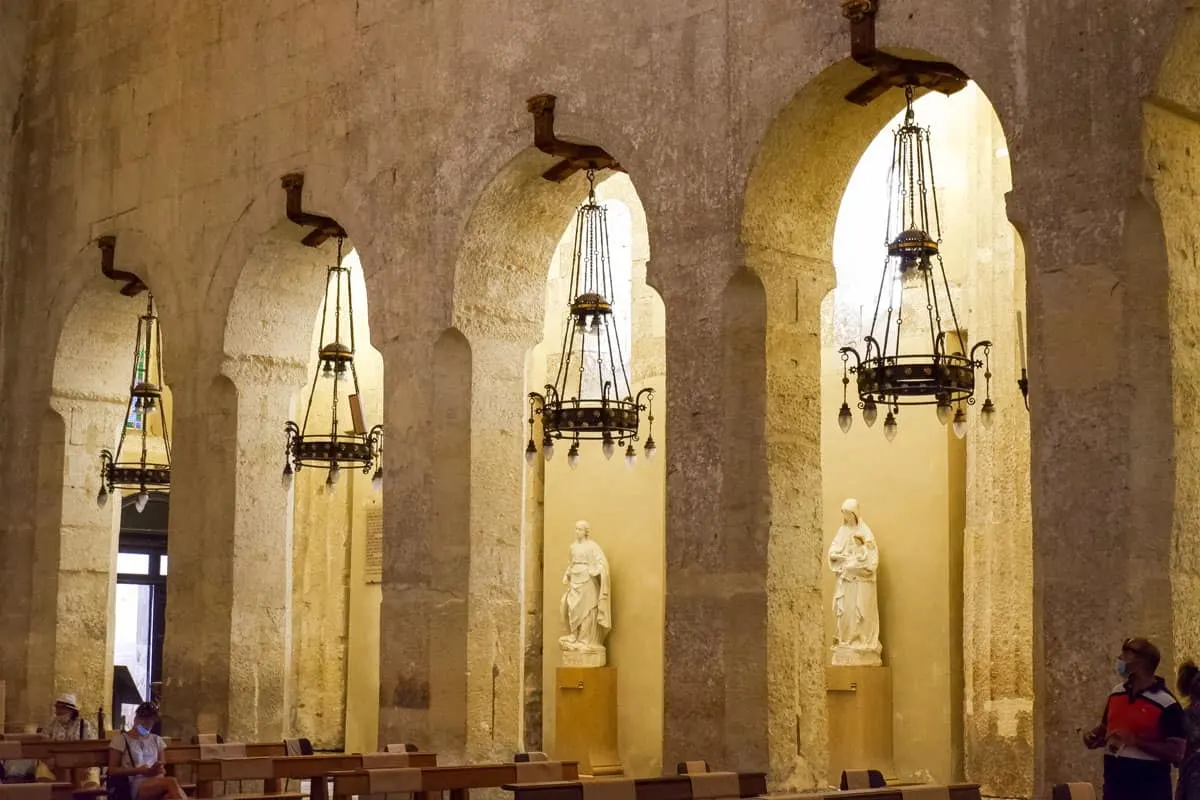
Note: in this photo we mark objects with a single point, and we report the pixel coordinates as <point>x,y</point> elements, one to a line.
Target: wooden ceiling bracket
<point>322,227</point>
<point>574,156</point>
<point>133,284</point>
<point>891,71</point>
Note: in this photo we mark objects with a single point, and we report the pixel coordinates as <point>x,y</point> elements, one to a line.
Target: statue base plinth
<point>585,720</point>
<point>859,703</point>
<point>584,658</point>
<point>845,655</point>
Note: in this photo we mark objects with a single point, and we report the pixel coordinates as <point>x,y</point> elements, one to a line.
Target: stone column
<point>1101,431</point>
<point>228,632</point>
<point>495,652</point>
<point>426,543</point>
<point>84,538</point>
<point>261,623</point>
<point>743,620</point>
<point>997,540</point>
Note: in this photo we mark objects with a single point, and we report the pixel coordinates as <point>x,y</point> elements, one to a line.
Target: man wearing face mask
<point>1142,729</point>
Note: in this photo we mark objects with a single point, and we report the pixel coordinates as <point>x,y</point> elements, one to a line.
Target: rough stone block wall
<point>172,123</point>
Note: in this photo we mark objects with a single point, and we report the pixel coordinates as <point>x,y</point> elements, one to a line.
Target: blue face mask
<point>1122,669</point>
<point>142,730</point>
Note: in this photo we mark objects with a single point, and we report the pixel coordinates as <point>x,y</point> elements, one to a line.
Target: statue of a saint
<point>586,603</point>
<point>854,558</point>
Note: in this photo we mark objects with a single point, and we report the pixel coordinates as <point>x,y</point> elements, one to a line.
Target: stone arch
<point>93,327</point>
<point>254,356</point>
<point>792,198</point>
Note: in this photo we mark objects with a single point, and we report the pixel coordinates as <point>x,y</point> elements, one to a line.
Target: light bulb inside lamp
<point>960,423</point>
<point>335,472</point>
<point>608,448</point>
<point>573,455</point>
<point>548,448</point>
<point>944,411</point>
<point>285,480</point>
<point>102,497</point>
<point>987,414</point>
<point>630,455</point>
<point>651,449</point>
<point>141,500</point>
<point>845,418</point>
<point>890,426</point>
<point>377,480</point>
<point>870,412</point>
<point>530,452</point>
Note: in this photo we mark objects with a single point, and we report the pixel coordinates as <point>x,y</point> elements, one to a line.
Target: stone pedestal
<point>860,719</point>
<point>585,721</point>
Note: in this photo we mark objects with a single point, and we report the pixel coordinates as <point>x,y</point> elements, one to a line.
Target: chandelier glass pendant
<point>119,471</point>
<point>937,369</point>
<point>331,450</point>
<point>591,397</point>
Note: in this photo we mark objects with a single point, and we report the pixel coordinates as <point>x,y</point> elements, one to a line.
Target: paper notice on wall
<point>373,565</point>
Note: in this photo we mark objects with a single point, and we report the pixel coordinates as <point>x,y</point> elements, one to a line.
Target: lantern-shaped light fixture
<point>591,397</point>
<point>939,369</point>
<point>145,469</point>
<point>337,380</point>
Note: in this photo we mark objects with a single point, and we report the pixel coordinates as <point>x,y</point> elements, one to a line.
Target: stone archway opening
<point>624,505</point>
<point>799,247</point>
<point>77,543</point>
<point>486,532</point>
<point>314,613</point>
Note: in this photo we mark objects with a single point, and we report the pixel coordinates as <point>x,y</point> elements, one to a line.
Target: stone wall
<point>173,122</point>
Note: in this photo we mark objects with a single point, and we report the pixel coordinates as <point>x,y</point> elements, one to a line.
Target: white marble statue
<point>586,603</point>
<point>854,558</point>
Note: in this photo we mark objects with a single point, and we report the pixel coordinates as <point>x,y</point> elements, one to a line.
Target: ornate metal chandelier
<point>887,373</point>
<point>145,400</point>
<point>591,397</point>
<point>332,450</point>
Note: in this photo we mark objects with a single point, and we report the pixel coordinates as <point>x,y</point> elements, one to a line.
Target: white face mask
<point>1122,669</point>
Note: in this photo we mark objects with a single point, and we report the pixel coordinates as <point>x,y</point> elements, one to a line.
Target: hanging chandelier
<point>145,399</point>
<point>892,373</point>
<point>591,397</point>
<point>332,450</point>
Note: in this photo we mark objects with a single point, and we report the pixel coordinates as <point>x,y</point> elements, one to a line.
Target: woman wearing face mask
<point>137,755</point>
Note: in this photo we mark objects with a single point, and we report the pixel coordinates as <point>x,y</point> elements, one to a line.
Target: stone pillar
<point>227,641</point>
<point>997,540</point>
<point>1101,435</point>
<point>84,538</point>
<point>743,622</point>
<point>794,287</point>
<point>426,542</point>
<point>261,622</point>
<point>494,645</point>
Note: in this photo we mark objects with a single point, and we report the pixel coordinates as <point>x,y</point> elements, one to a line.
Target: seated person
<point>137,754</point>
<point>67,725</point>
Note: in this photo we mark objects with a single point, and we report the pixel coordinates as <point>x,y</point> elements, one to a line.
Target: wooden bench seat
<point>315,768</point>
<point>693,786</point>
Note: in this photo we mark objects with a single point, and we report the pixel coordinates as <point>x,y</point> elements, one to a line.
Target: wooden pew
<point>458,781</point>
<point>955,791</point>
<point>668,787</point>
<point>315,768</point>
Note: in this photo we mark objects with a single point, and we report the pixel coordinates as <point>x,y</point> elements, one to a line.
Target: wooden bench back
<point>862,779</point>
<point>958,791</point>
<point>697,786</point>
<point>94,752</point>
<point>442,779</point>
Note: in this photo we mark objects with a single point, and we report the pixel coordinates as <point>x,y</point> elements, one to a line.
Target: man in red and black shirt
<point>1141,730</point>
